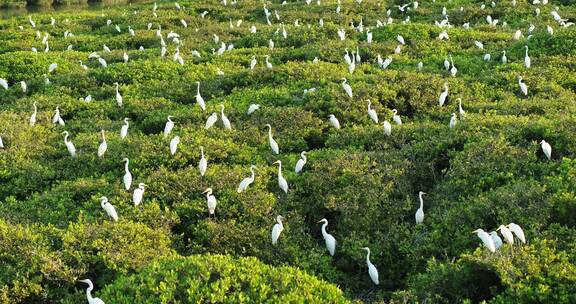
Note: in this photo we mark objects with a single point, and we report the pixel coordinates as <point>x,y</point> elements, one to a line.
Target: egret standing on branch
<point>372,271</point>
<point>347,88</point>
<point>246,181</point>
<point>118,96</point>
<point>138,194</point>
<point>203,164</point>
<point>271,141</point>
<point>211,201</point>
<point>277,229</point>
<point>124,129</point>
<point>420,212</point>
<point>69,145</point>
<point>168,127</point>
<point>546,148</point>
<point>127,179</point>
<point>334,121</point>
<point>91,300</point>
<point>110,210</point>
<point>486,239</point>
<point>328,238</point>
<point>281,180</point>
<point>199,99</point>
<point>103,145</point>
<point>372,113</point>
<point>301,162</point>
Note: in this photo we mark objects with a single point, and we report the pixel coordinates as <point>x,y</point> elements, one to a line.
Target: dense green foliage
<point>488,170</point>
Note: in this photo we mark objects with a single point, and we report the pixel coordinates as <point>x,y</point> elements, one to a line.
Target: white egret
<point>1,143</point>
<point>246,181</point>
<point>301,162</point>
<point>23,86</point>
<point>277,229</point>
<point>504,59</point>
<point>211,201</point>
<point>199,99</point>
<point>497,240</point>
<point>372,113</point>
<point>91,300</point>
<point>347,58</point>
<point>32,23</point>
<point>106,49</point>
<point>372,271</point>
<point>225,120</point>
<point>52,67</point>
<point>4,83</point>
<point>443,95</point>
<point>203,164</point>
<point>328,238</point>
<point>507,234</point>
<point>281,180</point>
<point>420,212</point>
<point>400,39</point>
<point>138,194</point>
<point>211,121</point>
<point>523,87</point>
<point>253,62</point>
<point>174,144</point>
<point>347,88</point>
<point>252,108</point>
<point>518,232</point>
<point>461,112</point>
<point>169,126</point>
<point>446,64</point>
<point>124,129</point>
<point>33,116</point>
<point>546,148</point>
<point>387,128</point>
<point>395,117</point>
<point>334,121</point>
<point>103,145</point>
<point>271,141</point>
<point>268,64</point>
<point>453,70</point>
<point>102,62</point>
<point>127,179</point>
<point>453,121</point>
<point>57,118</point>
<point>110,210</point>
<point>486,239</point>
<point>125,57</point>
<point>527,60</point>
<point>69,144</point>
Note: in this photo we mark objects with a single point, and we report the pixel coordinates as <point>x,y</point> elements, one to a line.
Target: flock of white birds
<point>491,241</point>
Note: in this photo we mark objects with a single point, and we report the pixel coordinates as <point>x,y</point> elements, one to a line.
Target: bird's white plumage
<point>546,148</point>
<point>246,181</point>
<point>124,128</point>
<point>277,229</point>
<point>273,144</point>
<point>334,121</point>
<point>282,183</point>
<point>372,271</point>
<point>110,210</point>
<point>169,126</point>
<point>203,163</point>
<point>211,121</point>
<point>518,232</point>
<point>127,179</point>
<point>486,239</point>
<point>174,144</point>
<point>225,121</point>
<point>328,238</point>
<point>301,162</point>
<point>103,145</point>
<point>138,194</point>
<point>372,113</point>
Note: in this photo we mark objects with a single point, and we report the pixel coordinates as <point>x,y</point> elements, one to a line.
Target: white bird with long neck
<point>57,118</point>
<point>504,59</point>
<point>453,70</point>
<point>246,181</point>
<point>443,95</point>
<point>199,99</point>
<point>546,148</point>
<point>523,86</point>
<point>119,98</point>
<point>91,300</point>
<point>268,64</point>
<point>301,162</point>
<point>174,144</point>
<point>211,201</point>
<point>387,128</point>
<point>103,145</point>
<point>253,62</point>
<point>138,194</point>
<point>124,129</point>
<point>169,126</point>
<point>127,179</point>
<point>52,67</point>
<point>527,61</point>
<point>347,88</point>
<point>372,271</point>
<point>372,113</point>
<point>252,108</point>
<point>497,240</point>
<point>23,86</point>
<point>69,145</point>
<point>328,238</point>
<point>273,144</point>
<point>518,232</point>
<point>225,121</point>
<point>420,212</point>
<point>282,183</point>
<point>4,83</point>
<point>32,23</point>
<point>507,234</point>
<point>203,164</point>
<point>453,121</point>
<point>395,117</point>
<point>334,121</point>
<point>212,119</point>
<point>486,239</point>
<point>347,58</point>
<point>110,210</point>
<point>33,116</point>
<point>461,112</point>
<point>277,229</point>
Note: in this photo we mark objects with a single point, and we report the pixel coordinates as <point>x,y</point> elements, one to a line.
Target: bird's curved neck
<point>279,168</point>
<point>324,228</point>
<point>198,89</point>
<point>270,132</point>
<point>421,202</point>
<point>304,157</point>
<point>252,171</point>
<point>368,257</point>
<point>202,152</point>
<point>89,292</point>
<point>126,165</point>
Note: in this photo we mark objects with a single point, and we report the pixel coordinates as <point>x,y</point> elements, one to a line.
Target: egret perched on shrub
<point>546,148</point>
<point>199,99</point>
<point>33,116</point>
<point>110,210</point>
<point>102,62</point>
<point>420,212</point>
<point>211,201</point>
<point>211,121</point>
<point>91,300</point>
<point>253,62</point>
<point>486,239</point>
<point>169,126</point>
<point>23,86</point>
<point>518,232</point>
<point>277,229</point>
<point>347,88</point>
<point>127,179</point>
<point>138,194</point>
<point>203,164</point>
<point>372,113</point>
<point>453,70</point>
<point>523,87</point>
<point>504,59</point>
<point>247,181</point>
<point>497,240</point>
<point>453,121</point>
<point>174,144</point>
<point>281,180</point>
<point>4,83</point>
<point>334,121</point>
<point>103,145</point>
<point>69,144</point>
<point>225,121</point>
<point>52,67</point>
<point>328,238</point>
<point>273,144</point>
<point>387,128</point>
<point>124,129</point>
<point>443,95</point>
<point>461,112</point>
<point>395,117</point>
<point>527,60</point>
<point>119,98</point>
<point>252,108</point>
<point>57,118</point>
<point>268,64</point>
<point>301,162</point>
<point>372,271</point>
<point>507,234</point>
